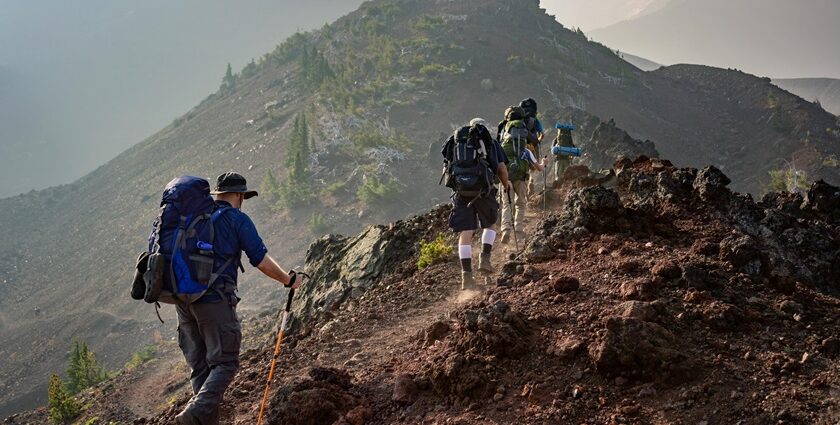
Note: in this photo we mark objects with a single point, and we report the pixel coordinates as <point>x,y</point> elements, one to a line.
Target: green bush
<point>434,252</point>
<point>294,194</point>
<point>438,69</point>
<point>429,23</point>
<point>61,404</point>
<point>373,191</point>
<point>318,225</point>
<point>369,137</point>
<point>140,357</point>
<point>336,188</point>
<point>787,180</point>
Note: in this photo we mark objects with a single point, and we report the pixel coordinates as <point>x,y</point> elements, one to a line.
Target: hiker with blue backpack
<point>563,151</point>
<point>518,143</point>
<point>473,163</point>
<point>193,262</point>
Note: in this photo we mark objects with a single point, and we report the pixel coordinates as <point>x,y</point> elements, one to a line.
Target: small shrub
<point>61,404</point>
<point>318,225</point>
<point>336,189</point>
<point>374,191</point>
<point>293,194</point>
<point>140,357</point>
<point>429,23</point>
<point>434,252</point>
<point>438,69</point>
<point>787,180</point>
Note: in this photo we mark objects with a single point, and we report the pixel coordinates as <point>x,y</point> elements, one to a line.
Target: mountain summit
<point>343,125</point>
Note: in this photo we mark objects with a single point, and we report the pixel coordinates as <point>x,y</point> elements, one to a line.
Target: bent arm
<point>502,172</point>
<point>269,267</point>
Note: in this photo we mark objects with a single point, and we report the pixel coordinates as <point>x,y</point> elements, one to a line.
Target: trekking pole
<point>283,323</point>
<point>545,189</point>
<point>512,220</point>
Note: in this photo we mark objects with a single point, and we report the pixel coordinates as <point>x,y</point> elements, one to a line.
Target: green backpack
<point>514,142</point>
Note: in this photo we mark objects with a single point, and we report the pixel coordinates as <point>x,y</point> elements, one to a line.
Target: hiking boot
<point>467,281</point>
<point>186,418</point>
<point>484,264</point>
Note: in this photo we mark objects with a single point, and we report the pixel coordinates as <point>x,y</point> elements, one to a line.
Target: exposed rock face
<point>344,268</point>
<point>609,143</point>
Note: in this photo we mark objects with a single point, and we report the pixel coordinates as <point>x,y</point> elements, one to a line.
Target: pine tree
<point>229,80</point>
<point>62,406</point>
<point>83,371</point>
<point>270,186</point>
<point>75,373</point>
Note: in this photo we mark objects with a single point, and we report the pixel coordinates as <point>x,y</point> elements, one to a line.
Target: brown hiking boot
<point>484,264</point>
<point>467,281</point>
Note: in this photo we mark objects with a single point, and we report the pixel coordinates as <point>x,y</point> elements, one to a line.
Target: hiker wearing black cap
<point>536,133</point>
<point>209,332</point>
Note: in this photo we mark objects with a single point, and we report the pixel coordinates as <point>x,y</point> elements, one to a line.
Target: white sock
<point>465,252</point>
<point>488,237</point>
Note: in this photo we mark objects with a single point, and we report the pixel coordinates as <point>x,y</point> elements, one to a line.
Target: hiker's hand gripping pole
<point>280,333</point>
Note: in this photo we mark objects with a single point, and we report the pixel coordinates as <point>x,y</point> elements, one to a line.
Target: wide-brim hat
<point>233,183</point>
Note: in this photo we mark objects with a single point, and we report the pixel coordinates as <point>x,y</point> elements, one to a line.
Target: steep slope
<point>640,62</point>
<point>824,90</point>
<point>668,299</point>
<point>780,38</point>
<point>380,89</point>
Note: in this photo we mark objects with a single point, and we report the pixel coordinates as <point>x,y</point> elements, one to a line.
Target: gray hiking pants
<point>210,336</point>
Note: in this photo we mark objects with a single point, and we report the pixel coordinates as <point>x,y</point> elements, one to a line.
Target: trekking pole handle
<point>289,300</point>
<point>294,276</point>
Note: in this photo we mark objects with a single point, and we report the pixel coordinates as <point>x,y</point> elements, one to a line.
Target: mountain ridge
<point>776,38</point>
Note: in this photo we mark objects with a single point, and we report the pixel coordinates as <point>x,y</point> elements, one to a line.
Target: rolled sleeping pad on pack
<point>565,151</point>
<point>563,126</point>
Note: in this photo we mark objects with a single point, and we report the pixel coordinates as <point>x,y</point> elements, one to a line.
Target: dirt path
<point>162,379</point>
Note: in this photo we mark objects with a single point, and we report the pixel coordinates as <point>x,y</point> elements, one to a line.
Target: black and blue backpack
<point>180,267</point>
<point>468,171</point>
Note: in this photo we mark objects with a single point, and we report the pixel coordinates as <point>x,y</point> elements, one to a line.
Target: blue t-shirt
<point>235,233</point>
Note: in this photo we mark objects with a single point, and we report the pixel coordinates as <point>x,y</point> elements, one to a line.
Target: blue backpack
<point>181,262</point>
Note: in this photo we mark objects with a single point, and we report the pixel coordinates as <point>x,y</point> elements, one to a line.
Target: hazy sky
<point>81,81</point>
<point>591,14</point>
<point>773,38</point>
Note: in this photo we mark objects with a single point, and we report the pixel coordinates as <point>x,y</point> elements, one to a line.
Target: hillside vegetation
<point>378,91</point>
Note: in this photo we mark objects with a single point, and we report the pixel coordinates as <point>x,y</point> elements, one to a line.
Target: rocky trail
<point>663,298</point>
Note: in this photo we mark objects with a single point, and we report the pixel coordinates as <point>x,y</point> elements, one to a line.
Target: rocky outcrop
<point>344,268</point>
